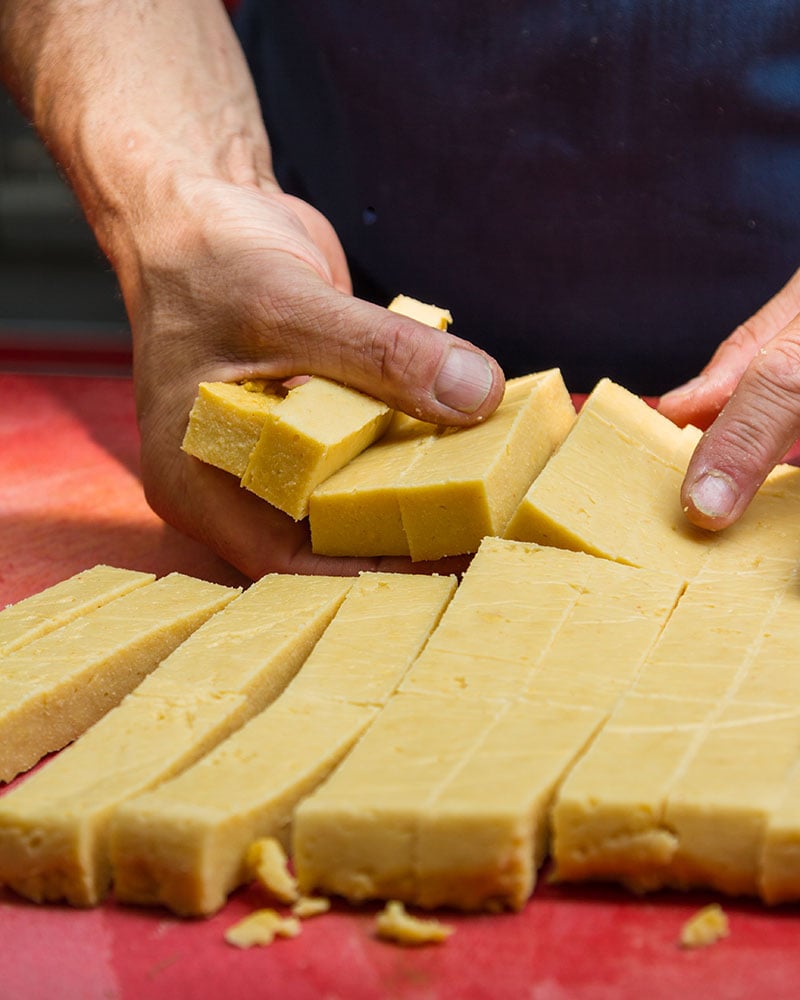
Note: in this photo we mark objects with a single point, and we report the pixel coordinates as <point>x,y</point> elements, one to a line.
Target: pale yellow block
<point>716,632</point>
<point>768,528</point>
<point>719,806</point>
<point>319,427</point>
<point>54,688</point>
<point>54,827</point>
<point>524,613</point>
<point>445,799</point>
<point>356,835</point>
<point>484,835</point>
<point>772,676</point>
<point>468,483</point>
<point>379,633</point>
<point>430,315</point>
<point>612,629</point>
<point>356,511</point>
<point>779,868</point>
<point>185,844</point>
<point>608,817</point>
<point>430,492</point>
<point>613,488</point>
<point>48,610</point>
<point>506,611</point>
<point>718,773</point>
<point>225,423</point>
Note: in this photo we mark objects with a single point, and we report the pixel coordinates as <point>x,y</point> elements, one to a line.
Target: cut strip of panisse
<point>422,312</point>
<point>54,826</point>
<point>356,512</point>
<point>225,423</point>
<point>48,610</point>
<point>55,687</point>
<point>319,427</point>
<point>469,482</point>
<point>432,493</point>
<point>185,843</point>
<point>694,808</point>
<point>613,490</point>
<point>444,800</point>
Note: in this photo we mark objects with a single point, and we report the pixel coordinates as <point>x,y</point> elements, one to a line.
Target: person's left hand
<point>748,398</point>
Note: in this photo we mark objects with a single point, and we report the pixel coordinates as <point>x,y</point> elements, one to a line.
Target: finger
<point>324,237</point>
<point>700,400</point>
<point>750,436</point>
<point>428,373</point>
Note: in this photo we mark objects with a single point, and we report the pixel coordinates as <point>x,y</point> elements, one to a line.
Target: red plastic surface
<point>70,498</point>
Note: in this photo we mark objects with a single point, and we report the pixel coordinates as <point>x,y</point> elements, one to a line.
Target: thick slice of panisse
<point>422,312</point>
<point>48,610</point>
<point>613,489</point>
<point>356,512</point>
<point>319,427</point>
<point>432,493</point>
<point>225,423</point>
<point>469,482</point>
<point>54,827</point>
<point>713,744</point>
<point>185,843</point>
<point>444,800</point>
<point>55,687</point>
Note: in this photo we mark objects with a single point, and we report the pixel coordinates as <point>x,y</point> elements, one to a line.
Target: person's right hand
<point>240,281</point>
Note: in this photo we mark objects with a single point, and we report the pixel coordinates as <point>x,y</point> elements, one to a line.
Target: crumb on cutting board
<point>705,927</point>
<point>261,928</point>
<point>394,923</point>
<point>310,906</point>
<point>267,862</point>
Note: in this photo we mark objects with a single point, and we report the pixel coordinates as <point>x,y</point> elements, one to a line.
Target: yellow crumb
<point>705,927</point>
<point>394,923</point>
<point>261,928</point>
<point>255,384</point>
<point>267,863</point>
<point>311,906</point>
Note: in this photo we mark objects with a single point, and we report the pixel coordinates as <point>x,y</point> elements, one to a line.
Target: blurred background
<point>60,308</point>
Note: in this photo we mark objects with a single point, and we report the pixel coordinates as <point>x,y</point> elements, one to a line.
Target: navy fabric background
<point>609,186</point>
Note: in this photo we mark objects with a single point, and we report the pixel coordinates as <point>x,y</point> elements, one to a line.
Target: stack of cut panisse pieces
<point>606,685</point>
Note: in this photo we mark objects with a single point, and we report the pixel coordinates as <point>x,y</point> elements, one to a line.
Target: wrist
<point>136,102</point>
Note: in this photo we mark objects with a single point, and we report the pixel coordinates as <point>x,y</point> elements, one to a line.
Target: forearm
<point>133,98</point>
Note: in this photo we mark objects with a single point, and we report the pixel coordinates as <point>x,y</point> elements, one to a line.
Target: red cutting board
<point>70,498</point>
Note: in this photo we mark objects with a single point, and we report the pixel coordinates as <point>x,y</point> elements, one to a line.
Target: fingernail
<point>714,494</point>
<point>464,380</point>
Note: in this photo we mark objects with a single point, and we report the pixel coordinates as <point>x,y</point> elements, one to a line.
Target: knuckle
<point>744,339</point>
<point>778,366</point>
<point>394,354</point>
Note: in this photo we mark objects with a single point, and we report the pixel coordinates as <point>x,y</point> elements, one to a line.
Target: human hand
<point>748,396</point>
<point>152,113</point>
<point>245,281</point>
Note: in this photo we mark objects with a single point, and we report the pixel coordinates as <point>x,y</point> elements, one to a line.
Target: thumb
<point>428,373</point>
<point>701,399</point>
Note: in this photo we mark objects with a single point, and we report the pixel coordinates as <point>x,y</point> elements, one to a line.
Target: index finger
<point>750,436</point>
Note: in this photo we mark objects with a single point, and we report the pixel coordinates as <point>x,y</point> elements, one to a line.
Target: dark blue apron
<point>609,186</point>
